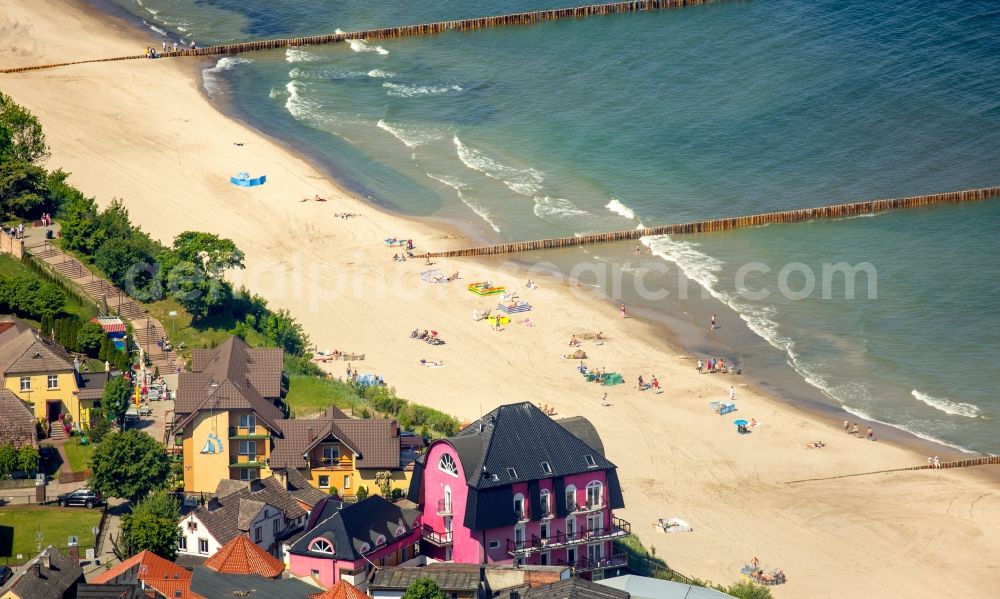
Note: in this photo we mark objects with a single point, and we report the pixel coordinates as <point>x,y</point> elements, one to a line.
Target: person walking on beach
<point>847,427</point>
<point>937,462</point>
<point>622,308</point>
<point>604,401</point>
<point>855,430</point>
<point>732,393</point>
<point>871,434</point>
<point>656,384</point>
<point>713,322</point>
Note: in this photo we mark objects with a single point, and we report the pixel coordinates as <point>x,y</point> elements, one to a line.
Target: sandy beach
<point>145,132</point>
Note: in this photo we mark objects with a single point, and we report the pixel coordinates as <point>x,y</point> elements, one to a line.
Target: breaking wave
<point>410,136</point>
<point>361,46</point>
<point>460,188</point>
<point>401,90</point>
<point>526,182</point>
<point>620,209</point>
<point>946,405</point>
<point>211,79</point>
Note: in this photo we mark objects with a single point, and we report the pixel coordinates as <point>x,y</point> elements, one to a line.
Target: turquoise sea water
<point>605,123</point>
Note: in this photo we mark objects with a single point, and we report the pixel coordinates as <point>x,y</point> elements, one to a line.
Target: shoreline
<point>813,405</point>
<point>665,333</point>
<point>903,532</point>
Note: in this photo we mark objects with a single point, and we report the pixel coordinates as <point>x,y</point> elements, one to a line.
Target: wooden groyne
<point>728,224</point>
<point>522,18</point>
<point>983,461</point>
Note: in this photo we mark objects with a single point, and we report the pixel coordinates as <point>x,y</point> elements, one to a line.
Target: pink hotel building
<point>517,487</point>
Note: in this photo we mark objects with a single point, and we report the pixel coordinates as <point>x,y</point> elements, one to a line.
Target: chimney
<point>76,365</point>
<point>38,569</point>
<point>73,551</point>
<point>282,477</point>
<point>213,504</point>
<point>311,435</point>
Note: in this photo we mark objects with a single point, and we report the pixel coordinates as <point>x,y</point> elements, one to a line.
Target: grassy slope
<point>78,455</point>
<point>308,395</point>
<point>10,267</point>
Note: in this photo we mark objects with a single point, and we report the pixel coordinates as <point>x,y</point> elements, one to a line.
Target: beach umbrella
<point>740,422</point>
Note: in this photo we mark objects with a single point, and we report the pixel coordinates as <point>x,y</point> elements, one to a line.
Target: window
<point>53,381</point>
<point>543,499</point>
<point>321,546</point>
<point>595,522</point>
<point>590,461</point>
<point>258,534</point>
<point>518,537</point>
<point>324,482</point>
<point>571,528</point>
<point>249,474</point>
<point>494,544</point>
<point>571,498</point>
<point>25,383</point>
<point>276,524</point>
<point>595,492</point>
<point>546,468</point>
<point>248,448</point>
<point>248,421</point>
<point>347,481</point>
<point>447,464</point>
<point>512,473</point>
<point>331,453</point>
<point>380,540</point>
<point>543,531</point>
<point>314,573</point>
<point>519,507</point>
<point>203,546</point>
<point>571,556</point>
<point>182,543</point>
<point>543,559</point>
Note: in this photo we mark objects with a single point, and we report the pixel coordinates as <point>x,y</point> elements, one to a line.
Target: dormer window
<point>546,468</point>
<point>447,465</point>
<point>400,529</point>
<point>380,541</point>
<point>321,546</point>
<point>591,463</point>
<point>365,548</point>
<point>511,473</point>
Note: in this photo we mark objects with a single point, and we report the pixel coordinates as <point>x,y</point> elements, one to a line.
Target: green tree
<point>152,526</point>
<point>27,458</point>
<point>424,588</point>
<point>89,338</point>
<point>384,482</point>
<point>129,465</point>
<point>48,300</point>
<point>23,188</point>
<point>280,327</point>
<point>115,399</point>
<point>215,255</point>
<point>198,293</point>
<point>114,222</point>
<point>130,263</point>
<point>80,224</point>
<point>746,589</point>
<point>8,459</point>
<point>27,140</point>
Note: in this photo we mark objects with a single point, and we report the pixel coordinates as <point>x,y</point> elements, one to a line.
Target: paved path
<point>112,300</point>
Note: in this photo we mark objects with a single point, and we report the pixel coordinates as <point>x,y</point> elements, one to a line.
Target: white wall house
<point>206,529</point>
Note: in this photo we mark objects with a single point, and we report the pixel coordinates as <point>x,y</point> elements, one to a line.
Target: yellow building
<point>229,425</point>
<point>45,376</point>
<point>227,413</point>
<point>342,453</point>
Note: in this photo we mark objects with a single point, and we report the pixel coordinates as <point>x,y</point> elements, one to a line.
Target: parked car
<point>84,497</point>
<point>5,574</point>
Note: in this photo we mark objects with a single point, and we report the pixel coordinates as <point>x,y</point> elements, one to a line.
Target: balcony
<point>582,508</point>
<point>619,528</point>
<point>444,507</point>
<point>248,432</point>
<point>440,539</point>
<point>246,461</point>
<point>589,565</point>
<point>343,463</point>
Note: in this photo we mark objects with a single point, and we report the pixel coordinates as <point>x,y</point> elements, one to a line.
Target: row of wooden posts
<point>523,18</point>
<point>728,224</point>
<point>982,461</point>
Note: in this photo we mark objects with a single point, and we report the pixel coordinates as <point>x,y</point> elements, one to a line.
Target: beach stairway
<point>112,300</point>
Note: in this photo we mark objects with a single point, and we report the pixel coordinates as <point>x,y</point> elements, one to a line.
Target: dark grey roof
<point>374,440</point>
<point>208,583</point>
<point>400,578</point>
<point>583,430</point>
<point>302,489</point>
<point>571,588</point>
<point>47,582</point>
<point>109,591</point>
<point>92,384</point>
<point>356,525</point>
<point>520,436</point>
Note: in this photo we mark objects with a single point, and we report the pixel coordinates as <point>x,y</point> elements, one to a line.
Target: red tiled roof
<point>241,556</point>
<point>341,590</point>
<point>161,574</point>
